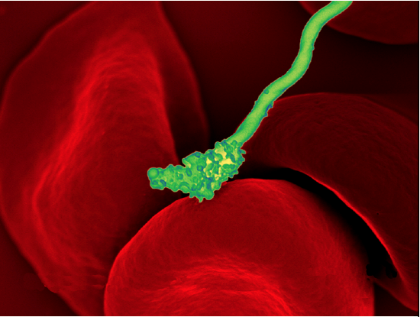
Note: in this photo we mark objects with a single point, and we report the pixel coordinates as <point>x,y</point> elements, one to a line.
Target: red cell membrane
<point>390,22</point>
<point>258,248</point>
<point>363,152</point>
<point>95,105</point>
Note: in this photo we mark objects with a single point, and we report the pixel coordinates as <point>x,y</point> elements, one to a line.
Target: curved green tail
<point>299,67</point>
<point>204,173</point>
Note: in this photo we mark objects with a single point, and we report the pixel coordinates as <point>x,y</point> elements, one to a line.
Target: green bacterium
<point>203,174</point>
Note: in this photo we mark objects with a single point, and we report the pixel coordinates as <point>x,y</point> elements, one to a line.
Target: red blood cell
<point>95,105</point>
<point>366,154</point>
<point>390,22</point>
<point>258,248</point>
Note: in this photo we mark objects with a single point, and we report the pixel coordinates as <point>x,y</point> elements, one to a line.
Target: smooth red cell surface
<point>258,248</point>
<point>390,22</point>
<point>101,105</point>
<point>20,30</point>
<point>366,154</point>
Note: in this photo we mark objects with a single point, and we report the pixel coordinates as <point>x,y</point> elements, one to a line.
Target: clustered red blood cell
<point>114,89</point>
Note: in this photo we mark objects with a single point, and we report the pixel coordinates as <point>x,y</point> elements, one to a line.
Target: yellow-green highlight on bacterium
<point>203,174</point>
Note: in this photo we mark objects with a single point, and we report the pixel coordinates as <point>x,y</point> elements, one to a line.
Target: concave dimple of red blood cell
<point>260,247</point>
<point>367,155</point>
<point>95,105</point>
<point>389,22</point>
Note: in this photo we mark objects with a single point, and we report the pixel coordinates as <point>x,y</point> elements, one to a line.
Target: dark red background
<point>236,49</point>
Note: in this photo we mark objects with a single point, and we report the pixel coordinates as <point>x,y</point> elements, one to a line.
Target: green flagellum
<point>299,67</point>
<point>203,174</point>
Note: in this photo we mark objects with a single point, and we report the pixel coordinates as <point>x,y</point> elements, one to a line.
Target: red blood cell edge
<point>390,22</point>
<point>96,104</point>
<point>366,154</point>
<point>260,247</point>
